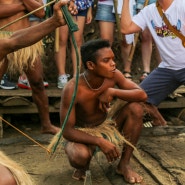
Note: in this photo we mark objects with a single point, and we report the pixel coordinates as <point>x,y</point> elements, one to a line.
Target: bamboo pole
<point>136,37</point>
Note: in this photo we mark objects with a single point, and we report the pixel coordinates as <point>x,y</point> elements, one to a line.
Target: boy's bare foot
<point>157,118</point>
<point>78,174</point>
<point>50,130</point>
<point>129,175</point>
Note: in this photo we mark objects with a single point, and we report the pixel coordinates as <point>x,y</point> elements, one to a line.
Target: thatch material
<point>23,58</point>
<point>20,175</point>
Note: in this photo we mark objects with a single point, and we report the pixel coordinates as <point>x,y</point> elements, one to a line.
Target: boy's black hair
<point>90,48</point>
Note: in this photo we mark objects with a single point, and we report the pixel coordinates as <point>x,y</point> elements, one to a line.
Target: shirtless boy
<point>20,39</point>
<point>100,83</point>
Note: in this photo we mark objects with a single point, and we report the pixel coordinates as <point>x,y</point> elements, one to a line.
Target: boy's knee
<point>79,158</point>
<point>135,109</point>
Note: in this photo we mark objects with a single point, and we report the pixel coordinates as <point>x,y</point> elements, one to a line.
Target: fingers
<point>113,156</point>
<point>104,106</point>
<point>72,8</point>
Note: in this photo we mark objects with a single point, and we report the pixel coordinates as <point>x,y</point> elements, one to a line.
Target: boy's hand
<point>105,99</point>
<point>109,149</point>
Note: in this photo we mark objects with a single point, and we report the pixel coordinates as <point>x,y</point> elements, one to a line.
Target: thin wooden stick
<point>56,39</point>
<point>30,13</point>
<point>25,135</point>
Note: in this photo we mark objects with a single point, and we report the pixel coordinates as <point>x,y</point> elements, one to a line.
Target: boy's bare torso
<point>87,109</point>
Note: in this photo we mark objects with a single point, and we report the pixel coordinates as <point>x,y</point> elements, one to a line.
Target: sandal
<point>144,75</point>
<point>127,75</point>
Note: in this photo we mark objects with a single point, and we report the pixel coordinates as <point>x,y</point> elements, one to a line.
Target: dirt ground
<point>161,157</point>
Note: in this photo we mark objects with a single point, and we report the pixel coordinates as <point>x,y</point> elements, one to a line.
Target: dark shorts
<point>82,13</point>
<point>161,82</point>
<point>104,13</point>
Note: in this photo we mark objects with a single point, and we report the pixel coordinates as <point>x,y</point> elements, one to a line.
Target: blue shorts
<point>82,13</point>
<point>161,82</point>
<point>140,3</point>
<point>104,13</point>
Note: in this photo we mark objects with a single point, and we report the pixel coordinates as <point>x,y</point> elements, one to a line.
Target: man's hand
<point>109,149</point>
<point>58,16</point>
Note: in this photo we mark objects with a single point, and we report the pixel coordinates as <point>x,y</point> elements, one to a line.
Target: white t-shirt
<point>170,47</point>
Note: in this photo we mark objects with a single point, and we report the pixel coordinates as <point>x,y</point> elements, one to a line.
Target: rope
<point>24,134</point>
<point>30,13</point>
<point>73,97</point>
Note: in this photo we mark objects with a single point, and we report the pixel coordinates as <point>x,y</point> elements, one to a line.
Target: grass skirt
<point>24,58</point>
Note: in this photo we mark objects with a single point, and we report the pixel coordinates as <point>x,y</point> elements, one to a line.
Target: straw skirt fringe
<point>22,59</point>
<point>20,175</point>
<point>106,130</point>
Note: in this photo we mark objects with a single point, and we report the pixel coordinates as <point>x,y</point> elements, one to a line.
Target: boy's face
<point>105,65</point>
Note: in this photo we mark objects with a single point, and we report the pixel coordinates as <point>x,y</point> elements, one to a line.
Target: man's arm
<point>31,35</point>
<point>7,10</point>
<point>127,25</point>
<point>34,4</point>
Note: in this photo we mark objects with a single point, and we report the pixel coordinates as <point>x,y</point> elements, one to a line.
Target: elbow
<point>123,31</point>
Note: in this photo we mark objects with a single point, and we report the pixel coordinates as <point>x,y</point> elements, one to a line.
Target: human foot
<point>78,174</point>
<point>50,130</point>
<point>129,175</point>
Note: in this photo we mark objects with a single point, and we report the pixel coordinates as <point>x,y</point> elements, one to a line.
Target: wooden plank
<point>24,109</point>
<point>15,101</point>
<point>153,168</point>
<point>165,154</point>
<point>178,102</point>
<point>51,92</point>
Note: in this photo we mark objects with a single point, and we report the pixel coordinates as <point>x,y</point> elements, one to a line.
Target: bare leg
<point>152,110</point>
<point>3,68</point>
<point>125,50</point>
<point>146,48</point>
<point>79,41</point>
<point>79,156</point>
<point>107,30</point>
<point>60,55</point>
<point>40,98</point>
<point>129,120</point>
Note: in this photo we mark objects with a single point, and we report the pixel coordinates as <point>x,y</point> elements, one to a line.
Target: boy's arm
<point>127,90</point>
